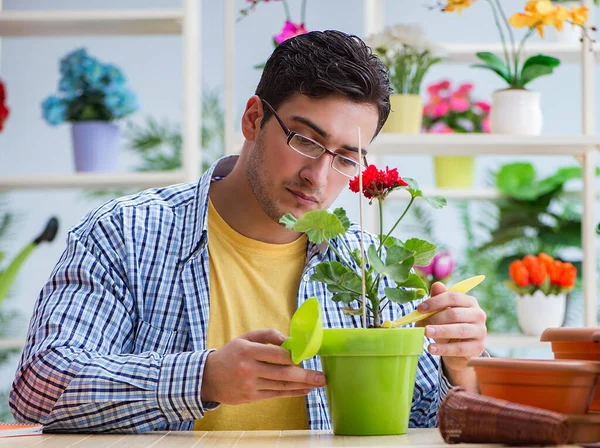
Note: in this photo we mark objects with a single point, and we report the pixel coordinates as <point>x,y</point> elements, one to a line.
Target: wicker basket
<point>472,418</point>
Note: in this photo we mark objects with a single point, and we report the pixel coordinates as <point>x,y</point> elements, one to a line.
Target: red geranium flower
<point>4,111</point>
<point>377,184</point>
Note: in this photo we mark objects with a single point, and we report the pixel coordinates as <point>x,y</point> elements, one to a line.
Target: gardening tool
<point>306,331</point>
<point>8,275</point>
<point>463,286</point>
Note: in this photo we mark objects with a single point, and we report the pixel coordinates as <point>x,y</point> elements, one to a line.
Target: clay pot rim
<point>580,334</point>
<point>537,365</point>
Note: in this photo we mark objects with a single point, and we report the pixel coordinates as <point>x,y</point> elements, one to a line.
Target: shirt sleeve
<point>79,371</point>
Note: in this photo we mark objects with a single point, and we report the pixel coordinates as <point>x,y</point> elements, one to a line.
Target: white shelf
<point>91,180</point>
<point>6,344</point>
<point>567,53</point>
<point>91,23</point>
<point>480,144</point>
<point>513,341</point>
<point>470,194</point>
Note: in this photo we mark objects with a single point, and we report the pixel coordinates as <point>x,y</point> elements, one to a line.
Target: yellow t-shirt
<point>253,285</point>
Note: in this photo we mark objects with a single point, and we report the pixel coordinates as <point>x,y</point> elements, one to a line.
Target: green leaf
<point>598,229</point>
<point>344,297</point>
<point>392,241</point>
<point>494,63</point>
<point>516,179</point>
<point>424,250</point>
<point>540,59</point>
<point>375,260</point>
<point>436,202</point>
<point>414,281</point>
<point>319,225</point>
<point>349,311</point>
<point>397,265</point>
<point>288,220</point>
<point>339,279</point>
<point>400,295</point>
<point>536,66</point>
<point>341,214</point>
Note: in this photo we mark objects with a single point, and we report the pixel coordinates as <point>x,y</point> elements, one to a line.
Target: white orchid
<point>407,53</point>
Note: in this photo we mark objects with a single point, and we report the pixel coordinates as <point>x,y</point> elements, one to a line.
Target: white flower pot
<point>516,112</point>
<point>538,311</point>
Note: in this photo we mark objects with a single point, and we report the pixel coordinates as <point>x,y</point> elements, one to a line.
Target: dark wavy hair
<point>325,63</point>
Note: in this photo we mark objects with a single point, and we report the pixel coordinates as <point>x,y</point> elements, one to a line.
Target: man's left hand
<point>458,329</point>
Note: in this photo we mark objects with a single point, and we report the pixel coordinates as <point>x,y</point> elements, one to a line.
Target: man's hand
<point>458,331</point>
<point>247,369</point>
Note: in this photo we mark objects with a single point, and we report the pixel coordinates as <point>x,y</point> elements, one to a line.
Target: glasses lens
<point>345,165</point>
<point>306,146</point>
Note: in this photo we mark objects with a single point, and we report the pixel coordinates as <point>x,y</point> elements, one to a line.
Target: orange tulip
<point>556,272</point>
<point>518,273</point>
<point>568,275</point>
<point>546,260</point>
<point>537,270</point>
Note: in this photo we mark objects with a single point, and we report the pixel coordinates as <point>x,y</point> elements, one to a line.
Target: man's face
<point>285,181</point>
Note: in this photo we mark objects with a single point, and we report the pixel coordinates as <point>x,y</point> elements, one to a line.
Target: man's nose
<point>316,171</point>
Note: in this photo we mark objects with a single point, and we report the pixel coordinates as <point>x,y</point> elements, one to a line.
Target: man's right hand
<point>248,369</point>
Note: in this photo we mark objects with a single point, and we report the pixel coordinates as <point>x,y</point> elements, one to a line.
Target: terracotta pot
<point>576,343</point>
<point>560,386</point>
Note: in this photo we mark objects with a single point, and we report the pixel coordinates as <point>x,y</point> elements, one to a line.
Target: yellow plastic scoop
<point>463,286</point>
<point>306,331</point>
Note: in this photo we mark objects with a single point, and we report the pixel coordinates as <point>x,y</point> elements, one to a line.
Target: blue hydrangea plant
<point>89,90</point>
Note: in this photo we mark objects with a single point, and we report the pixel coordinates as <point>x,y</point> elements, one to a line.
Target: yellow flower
<point>457,5</point>
<point>538,13</point>
<point>560,15</point>
<point>579,15</point>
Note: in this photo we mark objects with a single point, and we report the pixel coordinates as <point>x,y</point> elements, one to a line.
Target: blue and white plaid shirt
<point>117,340</point>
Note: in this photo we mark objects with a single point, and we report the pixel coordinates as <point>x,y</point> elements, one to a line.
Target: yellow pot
<point>406,116</point>
<point>454,172</point>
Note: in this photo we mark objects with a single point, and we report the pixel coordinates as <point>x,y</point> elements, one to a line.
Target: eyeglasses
<point>307,147</point>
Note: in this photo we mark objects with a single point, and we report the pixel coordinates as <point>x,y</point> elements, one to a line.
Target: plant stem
<point>338,254</point>
<point>303,12</point>
<point>286,8</point>
<point>518,53</point>
<point>380,205</point>
<point>510,33</point>
<point>412,199</point>
<point>502,37</point>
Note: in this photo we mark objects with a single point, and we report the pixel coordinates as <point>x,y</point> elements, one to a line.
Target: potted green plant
<point>370,370</point>
<point>408,56</point>
<point>534,215</point>
<point>516,110</point>
<point>92,96</point>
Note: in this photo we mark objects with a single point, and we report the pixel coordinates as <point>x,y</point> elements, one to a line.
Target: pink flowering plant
<point>451,110</point>
<point>290,28</point>
<point>439,270</point>
<point>390,257</point>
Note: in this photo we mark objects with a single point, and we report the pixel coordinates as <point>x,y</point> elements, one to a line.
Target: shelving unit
<point>464,53</point>
<point>183,21</point>
<point>583,147</point>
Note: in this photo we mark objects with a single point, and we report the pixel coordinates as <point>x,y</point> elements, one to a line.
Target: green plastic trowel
<point>306,331</point>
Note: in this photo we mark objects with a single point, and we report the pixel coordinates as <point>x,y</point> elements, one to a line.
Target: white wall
<point>29,66</point>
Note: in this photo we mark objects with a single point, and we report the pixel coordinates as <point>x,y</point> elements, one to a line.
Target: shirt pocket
<point>152,339</point>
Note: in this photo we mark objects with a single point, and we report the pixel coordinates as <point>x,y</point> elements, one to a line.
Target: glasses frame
<point>291,134</point>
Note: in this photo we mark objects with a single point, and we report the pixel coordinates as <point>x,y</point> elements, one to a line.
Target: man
<point>123,335</point>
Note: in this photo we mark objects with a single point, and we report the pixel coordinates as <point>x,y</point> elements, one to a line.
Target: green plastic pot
<point>370,378</point>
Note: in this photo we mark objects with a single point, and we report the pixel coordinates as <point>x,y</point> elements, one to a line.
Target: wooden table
<point>200,439</point>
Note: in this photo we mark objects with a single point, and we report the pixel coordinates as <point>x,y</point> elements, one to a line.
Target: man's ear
<point>252,118</point>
